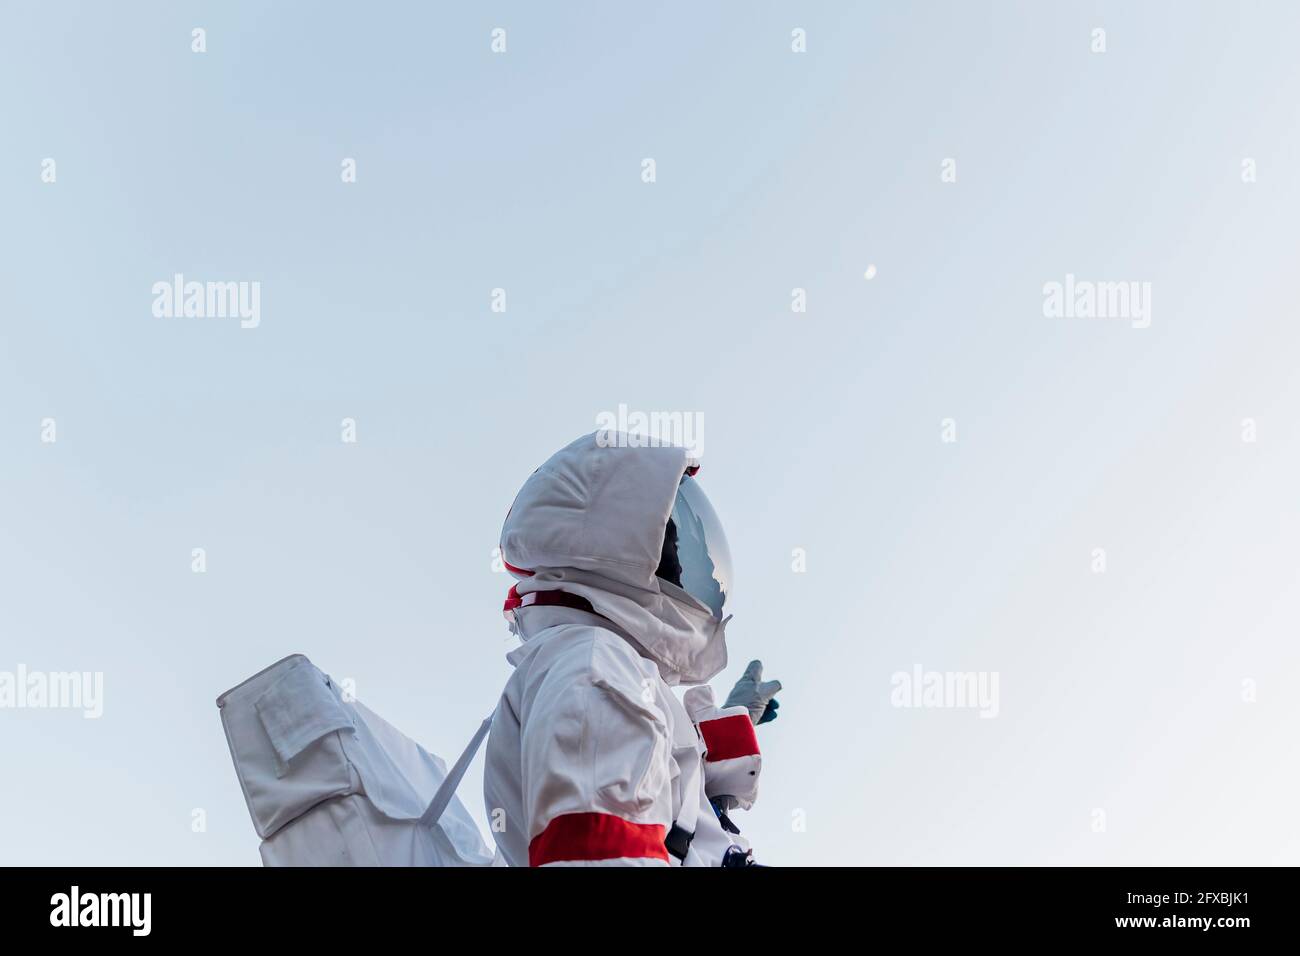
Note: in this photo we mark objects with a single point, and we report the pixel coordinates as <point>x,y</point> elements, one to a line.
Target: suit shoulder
<point>587,654</point>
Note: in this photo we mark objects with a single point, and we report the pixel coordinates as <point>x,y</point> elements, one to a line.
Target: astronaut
<point>623,574</point>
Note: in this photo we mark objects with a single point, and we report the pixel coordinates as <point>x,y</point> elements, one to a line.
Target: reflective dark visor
<point>695,554</point>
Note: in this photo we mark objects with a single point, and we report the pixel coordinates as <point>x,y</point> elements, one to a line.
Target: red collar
<point>553,598</point>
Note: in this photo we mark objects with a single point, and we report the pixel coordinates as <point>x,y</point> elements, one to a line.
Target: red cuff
<point>596,836</point>
<point>729,737</point>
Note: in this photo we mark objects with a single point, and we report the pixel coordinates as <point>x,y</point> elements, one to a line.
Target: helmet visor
<point>694,537</point>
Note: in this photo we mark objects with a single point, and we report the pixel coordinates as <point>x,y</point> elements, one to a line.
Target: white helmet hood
<point>590,521</point>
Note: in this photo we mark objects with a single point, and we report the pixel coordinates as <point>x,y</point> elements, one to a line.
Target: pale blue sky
<point>775,170</point>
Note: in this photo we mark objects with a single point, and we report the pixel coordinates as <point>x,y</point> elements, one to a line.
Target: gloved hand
<point>755,694</point>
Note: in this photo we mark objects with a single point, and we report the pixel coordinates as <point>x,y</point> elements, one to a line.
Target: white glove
<point>755,694</point>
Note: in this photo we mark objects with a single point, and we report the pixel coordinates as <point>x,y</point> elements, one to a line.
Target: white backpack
<point>330,783</point>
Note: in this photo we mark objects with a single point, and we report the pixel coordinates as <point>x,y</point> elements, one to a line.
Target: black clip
<point>678,841</point>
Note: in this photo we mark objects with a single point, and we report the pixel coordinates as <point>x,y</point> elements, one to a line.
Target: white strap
<point>688,814</point>
<point>433,812</point>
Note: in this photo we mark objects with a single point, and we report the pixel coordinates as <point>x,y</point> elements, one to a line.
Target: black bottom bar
<point>548,908</point>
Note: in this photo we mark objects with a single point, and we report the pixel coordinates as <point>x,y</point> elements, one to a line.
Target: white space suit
<point>592,758</point>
